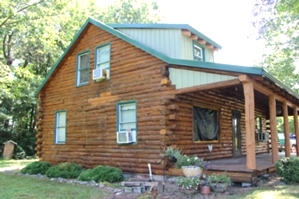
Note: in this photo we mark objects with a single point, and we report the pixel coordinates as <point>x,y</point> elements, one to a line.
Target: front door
<point>236,126</point>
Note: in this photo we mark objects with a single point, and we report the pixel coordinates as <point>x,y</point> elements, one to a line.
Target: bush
<point>64,170</point>
<point>19,153</point>
<point>288,169</point>
<point>36,168</point>
<point>102,174</point>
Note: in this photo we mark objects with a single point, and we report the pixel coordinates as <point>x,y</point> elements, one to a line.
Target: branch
<point>20,10</point>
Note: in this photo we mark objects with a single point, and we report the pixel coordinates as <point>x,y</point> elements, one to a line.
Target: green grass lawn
<point>15,186</point>
<point>269,192</point>
<point>15,164</point>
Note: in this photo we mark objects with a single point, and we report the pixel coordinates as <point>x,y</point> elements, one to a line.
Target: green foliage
<point>276,21</point>
<point>191,161</point>
<point>288,169</point>
<point>64,170</point>
<point>131,11</point>
<point>219,178</point>
<point>36,168</point>
<point>102,174</point>
<point>19,152</point>
<point>188,182</point>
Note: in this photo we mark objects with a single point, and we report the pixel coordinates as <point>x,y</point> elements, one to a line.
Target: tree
<point>33,34</point>
<point>277,23</point>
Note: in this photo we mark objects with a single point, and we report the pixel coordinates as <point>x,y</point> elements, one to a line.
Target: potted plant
<point>188,185</point>
<point>191,166</point>
<point>219,182</point>
<point>173,154</point>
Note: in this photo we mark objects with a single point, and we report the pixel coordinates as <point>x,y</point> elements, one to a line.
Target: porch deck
<point>236,167</point>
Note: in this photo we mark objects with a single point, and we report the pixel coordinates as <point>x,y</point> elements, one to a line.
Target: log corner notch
<point>249,121</point>
<point>165,76</point>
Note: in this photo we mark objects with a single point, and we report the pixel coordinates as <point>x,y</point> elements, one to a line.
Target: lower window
<point>126,122</point>
<point>205,124</point>
<point>60,127</point>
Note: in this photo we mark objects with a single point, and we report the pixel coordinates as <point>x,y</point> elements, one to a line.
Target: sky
<point>227,22</point>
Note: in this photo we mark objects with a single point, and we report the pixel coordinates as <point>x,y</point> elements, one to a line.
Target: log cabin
<point>121,93</point>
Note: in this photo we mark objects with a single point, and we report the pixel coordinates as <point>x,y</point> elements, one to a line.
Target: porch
<point>236,167</point>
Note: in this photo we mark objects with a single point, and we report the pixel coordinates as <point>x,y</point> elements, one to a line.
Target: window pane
<point>84,76</point>
<point>103,54</point>
<point>104,65</point>
<point>83,61</point>
<point>60,135</point>
<point>61,119</point>
<point>128,116</point>
<point>205,124</point>
<point>198,53</point>
<point>127,107</point>
<point>128,126</point>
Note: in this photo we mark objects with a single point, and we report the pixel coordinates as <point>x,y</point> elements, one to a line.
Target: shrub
<point>36,168</point>
<point>102,174</point>
<point>64,170</point>
<point>288,169</point>
<point>19,153</point>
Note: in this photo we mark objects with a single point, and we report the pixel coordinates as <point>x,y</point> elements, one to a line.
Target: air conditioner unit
<point>125,137</point>
<point>99,74</point>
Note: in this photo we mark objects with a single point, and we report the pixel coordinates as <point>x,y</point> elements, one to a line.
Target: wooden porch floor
<point>236,167</point>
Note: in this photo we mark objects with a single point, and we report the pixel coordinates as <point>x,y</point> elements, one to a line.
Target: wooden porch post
<point>249,125</point>
<point>286,129</point>
<point>296,128</point>
<point>273,129</point>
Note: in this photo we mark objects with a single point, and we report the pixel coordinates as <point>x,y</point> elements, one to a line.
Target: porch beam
<point>273,129</point>
<point>249,125</point>
<point>296,128</point>
<point>286,128</point>
<point>215,85</point>
<point>262,89</point>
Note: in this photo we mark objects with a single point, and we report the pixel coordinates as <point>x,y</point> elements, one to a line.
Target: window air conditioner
<point>125,137</point>
<point>99,74</point>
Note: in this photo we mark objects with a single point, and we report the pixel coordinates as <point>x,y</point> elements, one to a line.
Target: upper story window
<point>82,68</point>
<point>198,52</point>
<point>60,127</point>
<point>103,57</point>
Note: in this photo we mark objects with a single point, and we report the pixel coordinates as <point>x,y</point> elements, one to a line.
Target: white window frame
<point>130,105</point>
<point>59,127</point>
<point>84,68</point>
<point>199,56</point>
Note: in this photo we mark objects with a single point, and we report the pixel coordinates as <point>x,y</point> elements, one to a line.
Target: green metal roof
<point>167,26</point>
<point>189,63</point>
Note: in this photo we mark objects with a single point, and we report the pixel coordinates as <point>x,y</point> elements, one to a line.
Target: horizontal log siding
<point>91,109</point>
<point>183,135</point>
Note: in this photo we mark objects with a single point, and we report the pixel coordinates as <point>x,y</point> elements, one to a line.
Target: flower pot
<point>205,190</point>
<point>218,187</point>
<point>192,171</point>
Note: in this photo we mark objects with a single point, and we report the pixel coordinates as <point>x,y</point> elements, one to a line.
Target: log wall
<point>214,99</point>
<point>91,109</point>
<point>162,118</point>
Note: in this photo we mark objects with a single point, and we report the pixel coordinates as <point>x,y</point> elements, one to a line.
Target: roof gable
<point>190,63</point>
<point>167,26</point>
